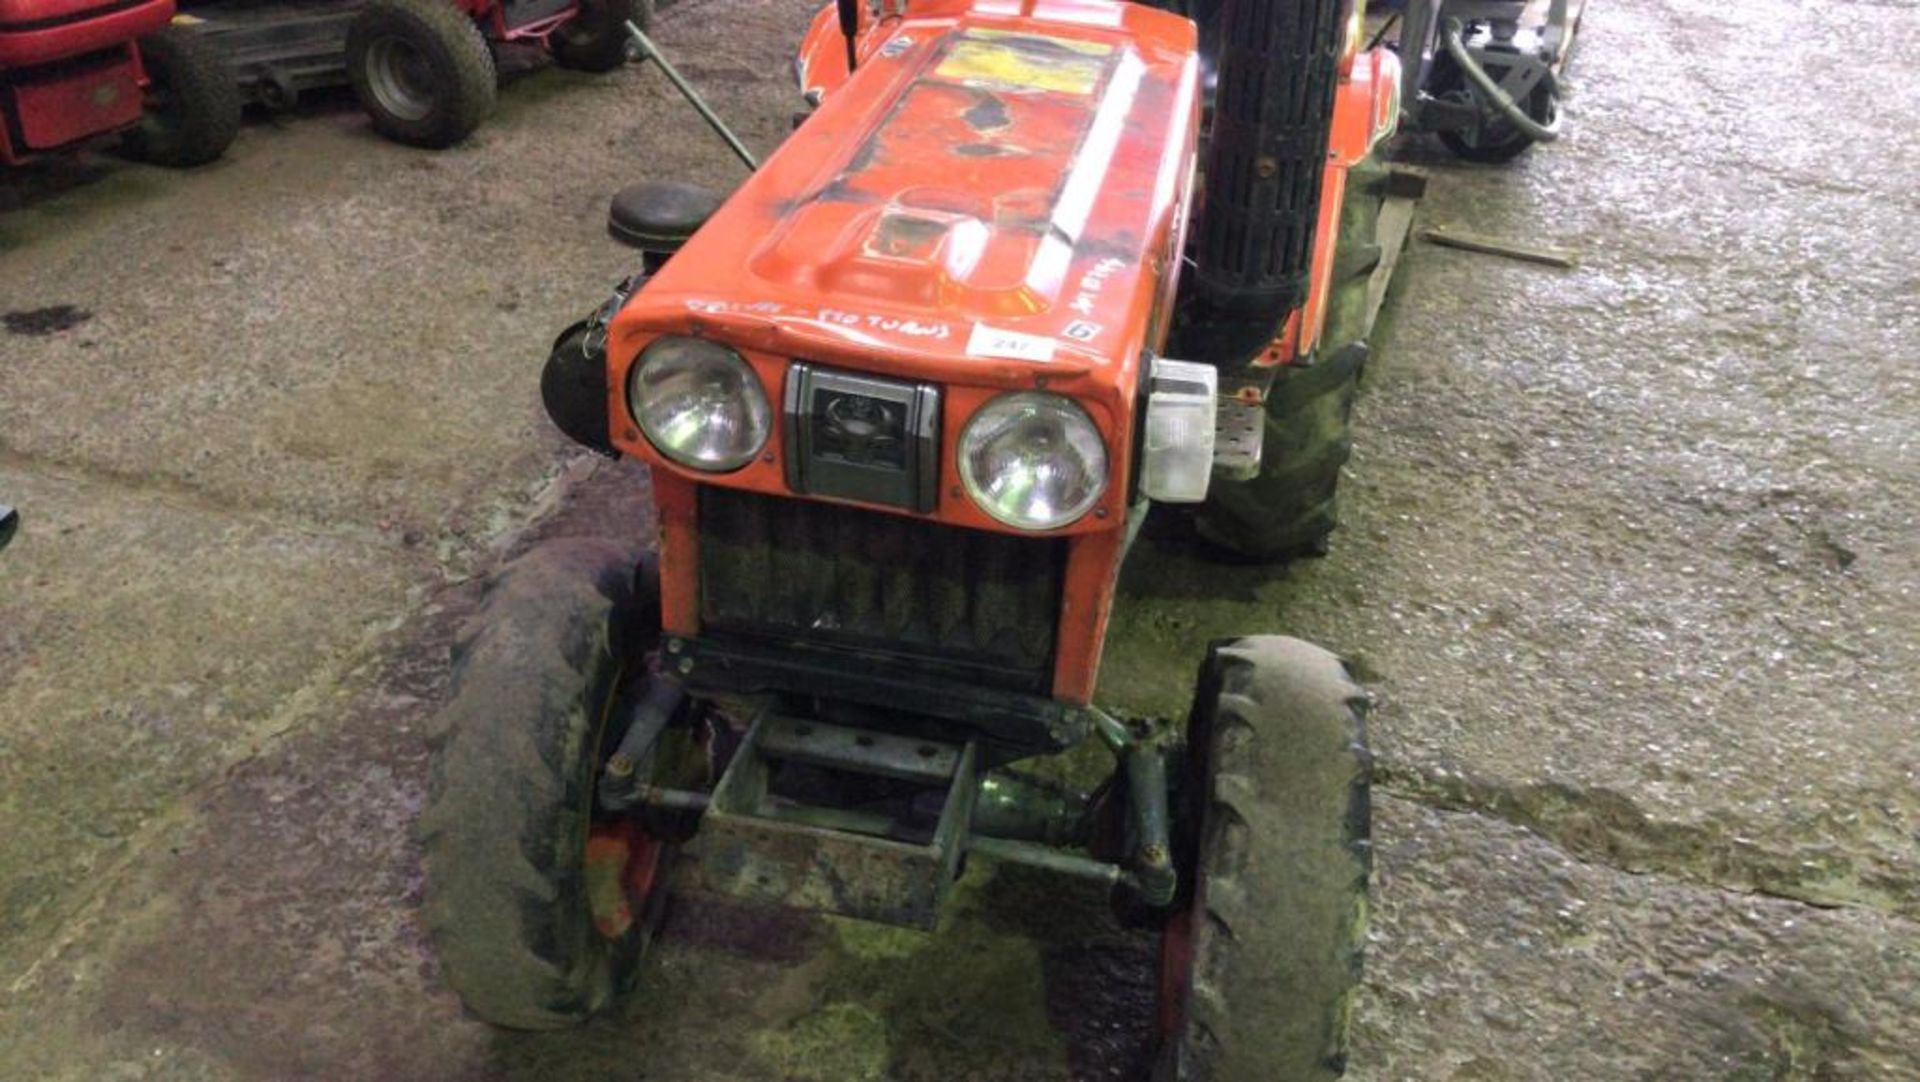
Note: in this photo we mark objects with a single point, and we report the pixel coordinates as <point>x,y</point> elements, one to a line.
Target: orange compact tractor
<point>906,396</point>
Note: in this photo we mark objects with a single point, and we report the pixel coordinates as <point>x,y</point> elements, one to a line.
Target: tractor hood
<point>997,190</point>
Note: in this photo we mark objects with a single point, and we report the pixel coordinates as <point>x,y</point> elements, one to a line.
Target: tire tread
<point>1288,509</point>
<point>511,786</point>
<point>596,40</point>
<point>1286,726</point>
<point>206,101</point>
<point>459,52</point>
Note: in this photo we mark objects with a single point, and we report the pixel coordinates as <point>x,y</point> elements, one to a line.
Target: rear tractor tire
<point>1290,509</point>
<point>1260,966</point>
<point>595,39</point>
<point>539,908</point>
<point>422,70</point>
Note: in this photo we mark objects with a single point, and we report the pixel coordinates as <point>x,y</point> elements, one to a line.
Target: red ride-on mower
<point>422,69</point>
<point>73,71</point>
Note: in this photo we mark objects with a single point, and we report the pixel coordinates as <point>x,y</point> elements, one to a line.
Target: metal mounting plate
<point>842,748</point>
<point>754,846</point>
<point>1238,430</point>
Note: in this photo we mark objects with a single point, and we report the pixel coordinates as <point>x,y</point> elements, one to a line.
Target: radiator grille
<point>975,604</point>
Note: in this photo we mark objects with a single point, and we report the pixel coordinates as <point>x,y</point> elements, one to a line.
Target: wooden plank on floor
<point>1450,237</point>
<point>1395,226</point>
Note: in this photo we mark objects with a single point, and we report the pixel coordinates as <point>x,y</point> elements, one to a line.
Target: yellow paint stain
<point>1004,60</point>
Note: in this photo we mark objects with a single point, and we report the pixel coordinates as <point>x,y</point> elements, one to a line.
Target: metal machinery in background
<point>424,70</point>
<point>1481,75</point>
<point>79,73</point>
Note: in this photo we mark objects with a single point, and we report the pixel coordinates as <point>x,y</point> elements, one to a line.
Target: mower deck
<point>280,49</point>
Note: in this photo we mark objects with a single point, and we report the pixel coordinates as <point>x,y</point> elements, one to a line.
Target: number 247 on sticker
<point>988,341</point>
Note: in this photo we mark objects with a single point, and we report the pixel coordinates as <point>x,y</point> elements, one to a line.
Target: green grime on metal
<point>1012,804</point>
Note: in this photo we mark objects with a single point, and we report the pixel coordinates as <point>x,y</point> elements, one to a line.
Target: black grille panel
<point>965,603</point>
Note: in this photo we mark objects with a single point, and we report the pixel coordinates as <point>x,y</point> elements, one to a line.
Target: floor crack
<point>1603,827</point>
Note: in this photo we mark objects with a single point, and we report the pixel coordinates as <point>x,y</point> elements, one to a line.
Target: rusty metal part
<point>761,841</point>
<point>881,754</point>
<point>757,846</point>
<point>1048,858</point>
<point>1239,429</point>
<point>651,712</point>
<point>1146,766</point>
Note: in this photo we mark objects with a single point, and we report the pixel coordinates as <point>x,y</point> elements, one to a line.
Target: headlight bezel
<point>978,489</point>
<point>758,404</point>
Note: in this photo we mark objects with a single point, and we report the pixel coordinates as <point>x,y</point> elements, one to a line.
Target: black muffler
<point>1278,64</point>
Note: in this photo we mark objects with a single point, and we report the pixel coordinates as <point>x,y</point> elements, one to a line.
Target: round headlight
<point>699,403</point>
<point>1033,460</point>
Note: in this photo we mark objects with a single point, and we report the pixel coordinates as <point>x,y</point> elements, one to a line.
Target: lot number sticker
<point>988,341</point>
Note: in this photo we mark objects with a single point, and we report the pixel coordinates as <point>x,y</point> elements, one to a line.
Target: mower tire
<point>421,69</point>
<point>595,39</point>
<point>511,792</point>
<point>1289,508</point>
<point>1259,971</point>
<point>193,101</point>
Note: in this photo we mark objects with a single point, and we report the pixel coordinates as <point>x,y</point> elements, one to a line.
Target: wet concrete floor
<point>1630,558</point>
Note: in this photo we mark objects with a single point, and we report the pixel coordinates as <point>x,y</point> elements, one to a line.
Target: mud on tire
<point>1260,969</point>
<point>1291,507</point>
<point>512,788</point>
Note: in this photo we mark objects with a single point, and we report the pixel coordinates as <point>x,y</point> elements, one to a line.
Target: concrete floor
<point>1630,557</point>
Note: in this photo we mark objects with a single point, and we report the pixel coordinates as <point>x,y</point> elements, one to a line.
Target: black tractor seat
<point>657,216</point>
